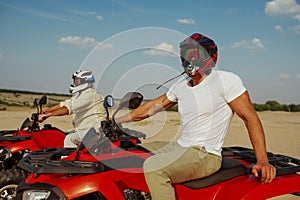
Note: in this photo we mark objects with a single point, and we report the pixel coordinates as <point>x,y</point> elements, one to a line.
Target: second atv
<point>16,144</point>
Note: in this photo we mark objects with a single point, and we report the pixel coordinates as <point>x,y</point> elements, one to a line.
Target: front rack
<point>48,162</point>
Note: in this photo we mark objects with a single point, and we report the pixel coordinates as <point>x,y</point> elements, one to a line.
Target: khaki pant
<point>175,164</point>
<point>74,138</point>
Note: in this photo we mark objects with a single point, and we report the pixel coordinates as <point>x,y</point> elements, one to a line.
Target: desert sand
<point>282,129</point>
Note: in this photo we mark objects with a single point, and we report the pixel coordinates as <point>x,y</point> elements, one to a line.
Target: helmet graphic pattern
<point>86,80</point>
<point>85,76</point>
<point>196,40</point>
<point>195,47</point>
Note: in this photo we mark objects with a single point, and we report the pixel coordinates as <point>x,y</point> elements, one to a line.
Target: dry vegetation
<point>13,100</point>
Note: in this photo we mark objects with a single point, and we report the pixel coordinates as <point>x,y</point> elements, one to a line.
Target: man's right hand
<point>42,117</point>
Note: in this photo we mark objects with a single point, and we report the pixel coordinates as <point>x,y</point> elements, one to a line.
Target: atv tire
<point>9,181</point>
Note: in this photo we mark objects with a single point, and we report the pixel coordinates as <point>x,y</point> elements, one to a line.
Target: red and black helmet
<point>198,53</point>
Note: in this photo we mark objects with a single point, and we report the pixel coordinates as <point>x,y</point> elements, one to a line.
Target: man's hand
<point>265,170</point>
<point>42,117</point>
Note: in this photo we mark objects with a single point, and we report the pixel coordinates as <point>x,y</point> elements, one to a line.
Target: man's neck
<point>197,79</point>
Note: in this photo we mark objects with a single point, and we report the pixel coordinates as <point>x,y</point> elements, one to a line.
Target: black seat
<point>230,168</point>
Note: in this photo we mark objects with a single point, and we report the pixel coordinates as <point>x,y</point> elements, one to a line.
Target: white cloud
<point>83,13</point>
<point>100,17</point>
<point>298,75</point>
<point>284,76</point>
<point>296,29</point>
<point>79,41</point>
<point>278,28</point>
<point>253,44</point>
<point>297,17</point>
<point>283,8</point>
<point>185,21</point>
<point>257,44</point>
<point>163,49</point>
<point>1,56</point>
<point>104,46</point>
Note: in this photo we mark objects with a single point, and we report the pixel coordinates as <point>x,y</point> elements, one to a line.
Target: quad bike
<point>15,144</point>
<point>113,171</point>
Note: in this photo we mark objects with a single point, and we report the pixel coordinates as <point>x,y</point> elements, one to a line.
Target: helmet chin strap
<point>74,89</point>
<point>191,69</point>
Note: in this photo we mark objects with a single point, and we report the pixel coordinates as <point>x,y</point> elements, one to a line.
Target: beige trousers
<point>175,164</point>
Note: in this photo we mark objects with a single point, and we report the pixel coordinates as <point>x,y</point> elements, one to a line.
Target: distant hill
<point>30,92</point>
<point>24,99</point>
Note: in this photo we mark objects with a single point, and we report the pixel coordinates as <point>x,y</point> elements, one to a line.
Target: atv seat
<point>230,168</point>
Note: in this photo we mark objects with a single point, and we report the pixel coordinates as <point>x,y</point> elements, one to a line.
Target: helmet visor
<point>197,54</point>
<point>76,81</point>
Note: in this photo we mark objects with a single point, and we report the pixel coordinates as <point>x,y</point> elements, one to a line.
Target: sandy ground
<point>282,129</point>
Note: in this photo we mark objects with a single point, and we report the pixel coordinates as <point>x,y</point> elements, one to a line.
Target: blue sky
<point>43,42</point>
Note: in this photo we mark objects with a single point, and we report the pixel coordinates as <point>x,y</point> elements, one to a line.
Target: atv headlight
<point>35,195</point>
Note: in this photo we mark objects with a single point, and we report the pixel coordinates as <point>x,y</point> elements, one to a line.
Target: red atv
<point>112,170</point>
<point>16,144</point>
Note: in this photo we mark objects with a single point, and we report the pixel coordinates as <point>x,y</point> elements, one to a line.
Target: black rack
<point>8,136</point>
<point>284,164</point>
<point>48,162</point>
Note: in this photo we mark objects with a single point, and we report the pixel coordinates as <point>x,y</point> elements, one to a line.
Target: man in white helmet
<point>86,106</point>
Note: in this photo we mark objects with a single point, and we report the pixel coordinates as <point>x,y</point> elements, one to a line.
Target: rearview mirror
<point>36,102</point>
<point>131,100</point>
<point>108,101</point>
<point>43,100</point>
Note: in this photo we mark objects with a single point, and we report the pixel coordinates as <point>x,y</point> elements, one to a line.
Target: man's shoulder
<point>226,75</point>
<point>87,93</point>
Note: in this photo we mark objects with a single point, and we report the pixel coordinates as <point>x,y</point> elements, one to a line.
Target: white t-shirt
<point>204,109</point>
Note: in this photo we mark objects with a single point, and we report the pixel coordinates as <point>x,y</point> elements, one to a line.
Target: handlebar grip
<point>130,132</point>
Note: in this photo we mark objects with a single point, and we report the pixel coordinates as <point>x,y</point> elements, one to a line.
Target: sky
<point>133,44</point>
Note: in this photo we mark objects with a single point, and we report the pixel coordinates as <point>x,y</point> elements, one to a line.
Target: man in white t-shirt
<point>207,100</point>
<point>86,106</point>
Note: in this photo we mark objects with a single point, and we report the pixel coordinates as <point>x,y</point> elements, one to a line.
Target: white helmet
<point>82,80</point>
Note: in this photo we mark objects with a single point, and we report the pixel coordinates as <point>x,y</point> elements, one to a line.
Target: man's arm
<point>53,111</point>
<point>147,109</point>
<point>243,107</point>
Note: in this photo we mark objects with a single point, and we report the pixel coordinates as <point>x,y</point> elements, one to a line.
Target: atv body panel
<point>121,177</point>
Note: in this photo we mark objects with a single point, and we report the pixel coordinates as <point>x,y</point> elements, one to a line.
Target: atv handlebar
<point>130,132</point>
<point>33,123</point>
<point>115,131</point>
